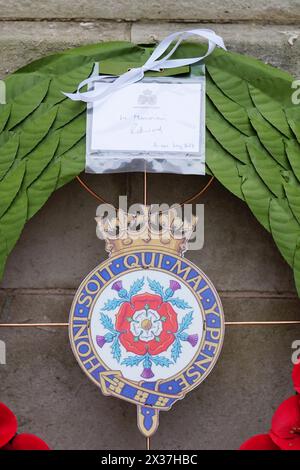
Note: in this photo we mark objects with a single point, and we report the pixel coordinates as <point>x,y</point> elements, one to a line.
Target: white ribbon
<point>155,62</point>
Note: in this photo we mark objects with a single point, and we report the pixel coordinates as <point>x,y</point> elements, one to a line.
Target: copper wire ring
<point>186,201</point>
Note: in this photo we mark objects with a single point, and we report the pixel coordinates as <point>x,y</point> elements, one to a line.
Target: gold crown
<point>131,232</point>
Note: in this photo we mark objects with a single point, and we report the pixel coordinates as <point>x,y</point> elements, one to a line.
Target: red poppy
<point>146,324</point>
<point>285,430</point>
<point>8,425</point>
<point>259,442</point>
<point>296,377</point>
<point>10,440</point>
<point>286,444</point>
<point>26,442</point>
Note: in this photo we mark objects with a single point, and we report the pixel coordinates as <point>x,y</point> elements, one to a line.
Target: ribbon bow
<point>155,63</point>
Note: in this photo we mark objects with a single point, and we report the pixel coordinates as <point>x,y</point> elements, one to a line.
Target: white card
<point>148,117</point>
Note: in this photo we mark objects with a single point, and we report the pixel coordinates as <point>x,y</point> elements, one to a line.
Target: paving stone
<point>131,10</point>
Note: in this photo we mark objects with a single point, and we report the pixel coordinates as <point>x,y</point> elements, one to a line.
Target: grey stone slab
<point>59,246</point>
<point>244,307</point>
<point>132,10</point>
<point>53,306</point>
<point>22,42</point>
<point>53,398</point>
<point>35,306</point>
<point>275,45</point>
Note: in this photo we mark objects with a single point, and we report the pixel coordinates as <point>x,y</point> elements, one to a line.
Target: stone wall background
<point>42,382</point>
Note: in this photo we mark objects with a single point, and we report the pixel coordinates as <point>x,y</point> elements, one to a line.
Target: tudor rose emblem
<point>146,325</point>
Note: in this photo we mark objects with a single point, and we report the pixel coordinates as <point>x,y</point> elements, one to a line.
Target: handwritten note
<point>148,117</point>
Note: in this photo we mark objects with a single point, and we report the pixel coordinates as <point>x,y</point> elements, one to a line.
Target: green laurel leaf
<point>293,118</point>
<point>10,187</point>
<point>270,109</point>
<point>26,103</point>
<point>293,152</point>
<point>223,166</point>
<point>234,113</point>
<point>231,85</point>
<point>42,188</point>
<point>9,144</point>
<point>292,190</point>
<point>4,115</point>
<point>266,167</point>
<point>225,134</point>
<point>269,137</point>
<point>72,163</point>
<point>256,194</point>
<point>13,221</point>
<point>35,130</point>
<point>285,228</point>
